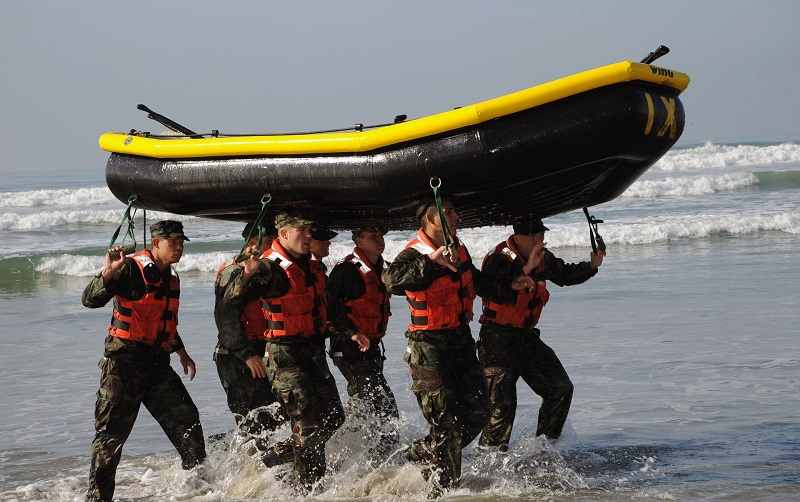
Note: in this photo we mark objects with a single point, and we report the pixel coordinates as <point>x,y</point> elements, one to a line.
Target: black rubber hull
<point>579,151</point>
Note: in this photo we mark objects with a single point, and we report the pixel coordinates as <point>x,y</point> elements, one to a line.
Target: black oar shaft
<point>166,122</point>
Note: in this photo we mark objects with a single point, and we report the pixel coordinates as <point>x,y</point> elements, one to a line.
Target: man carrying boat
<point>239,354</point>
<point>440,284</point>
<point>510,346</point>
<point>292,291</point>
<point>358,313</point>
<point>135,367</point>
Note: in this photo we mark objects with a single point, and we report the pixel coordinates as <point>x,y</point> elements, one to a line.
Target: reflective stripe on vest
<point>302,310</point>
<point>152,319</point>
<point>527,310</point>
<point>447,302</point>
<point>370,313</point>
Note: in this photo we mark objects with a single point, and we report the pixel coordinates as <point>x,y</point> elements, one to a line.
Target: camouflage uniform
<point>135,373</point>
<point>298,372</point>
<point>370,395</point>
<point>256,409</point>
<point>508,353</point>
<point>446,376</point>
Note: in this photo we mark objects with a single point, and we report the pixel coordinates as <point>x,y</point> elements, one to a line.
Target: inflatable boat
<point>574,142</point>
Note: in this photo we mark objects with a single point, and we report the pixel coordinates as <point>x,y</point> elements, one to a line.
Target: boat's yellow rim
<point>364,141</point>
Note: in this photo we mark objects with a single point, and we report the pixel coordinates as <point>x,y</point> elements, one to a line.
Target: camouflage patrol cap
<point>168,229</point>
<point>293,218</point>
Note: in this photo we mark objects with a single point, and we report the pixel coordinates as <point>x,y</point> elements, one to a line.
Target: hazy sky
<point>71,70</point>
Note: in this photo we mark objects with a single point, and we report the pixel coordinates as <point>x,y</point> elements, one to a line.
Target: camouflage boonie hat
<point>168,229</point>
<point>293,218</point>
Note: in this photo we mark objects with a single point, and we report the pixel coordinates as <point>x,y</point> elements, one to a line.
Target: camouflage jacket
<point>270,281</point>
<point>127,283</point>
<point>228,317</point>
<point>414,271</point>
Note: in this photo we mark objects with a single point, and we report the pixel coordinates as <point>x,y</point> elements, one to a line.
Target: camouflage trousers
<point>298,371</point>
<point>451,392</point>
<point>371,399</point>
<point>133,374</point>
<point>508,354</point>
<point>254,406</point>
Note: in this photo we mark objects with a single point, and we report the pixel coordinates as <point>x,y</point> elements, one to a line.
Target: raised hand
<point>440,258</point>
<point>597,258</point>
<point>534,258</point>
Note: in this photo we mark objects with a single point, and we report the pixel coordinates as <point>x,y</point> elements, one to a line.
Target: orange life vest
<point>526,311</point>
<point>152,319</point>
<point>447,302</point>
<point>371,311</point>
<point>252,317</point>
<point>302,311</point>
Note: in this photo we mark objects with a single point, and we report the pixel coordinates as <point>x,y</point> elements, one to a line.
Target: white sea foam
<point>699,226</point>
<point>712,156</point>
<point>694,185</point>
<point>57,219</point>
<point>480,241</point>
<point>62,197</point>
<point>68,264</point>
<point>204,262</point>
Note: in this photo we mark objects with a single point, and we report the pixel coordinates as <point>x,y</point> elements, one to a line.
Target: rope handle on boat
<point>176,127</point>
<point>449,241</point>
<point>265,200</point>
<point>130,248</point>
<point>594,236</point>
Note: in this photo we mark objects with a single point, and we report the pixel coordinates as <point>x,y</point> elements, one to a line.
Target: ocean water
<point>683,349</point>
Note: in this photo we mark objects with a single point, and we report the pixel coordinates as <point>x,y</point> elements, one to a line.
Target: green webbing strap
<point>129,231</point>
<point>449,242</point>
<point>257,225</point>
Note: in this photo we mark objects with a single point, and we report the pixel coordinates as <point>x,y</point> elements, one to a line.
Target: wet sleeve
<point>345,283</point>
<point>269,281</point>
<point>566,274</point>
<point>176,345</point>
<point>410,271</point>
<point>97,295</point>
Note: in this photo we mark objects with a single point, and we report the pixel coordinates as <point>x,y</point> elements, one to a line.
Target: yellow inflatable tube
<point>365,141</point>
